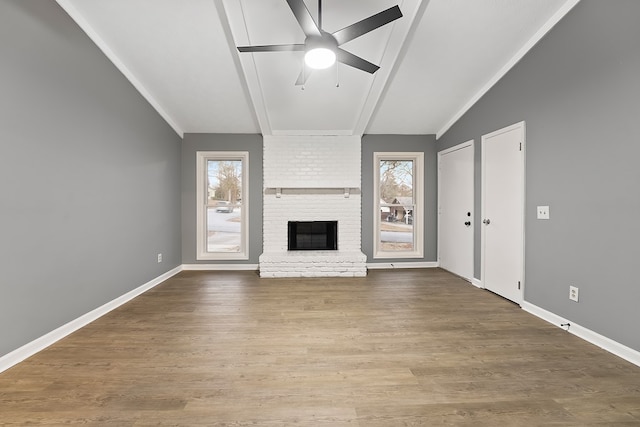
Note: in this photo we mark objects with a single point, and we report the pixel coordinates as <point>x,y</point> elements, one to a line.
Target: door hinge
<point>518,285</point>
<point>521,146</point>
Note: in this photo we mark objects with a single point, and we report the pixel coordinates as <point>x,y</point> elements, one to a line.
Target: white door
<point>455,209</point>
<point>502,255</point>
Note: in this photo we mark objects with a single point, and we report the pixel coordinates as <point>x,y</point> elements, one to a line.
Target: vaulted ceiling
<point>435,61</point>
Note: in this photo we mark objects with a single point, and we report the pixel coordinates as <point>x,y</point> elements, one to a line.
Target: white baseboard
<point>220,267</point>
<point>392,265</point>
<point>588,335</point>
<point>254,267</point>
<point>33,347</point>
<point>477,283</point>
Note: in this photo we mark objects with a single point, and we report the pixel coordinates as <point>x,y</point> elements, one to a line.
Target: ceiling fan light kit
<point>321,48</point>
<point>320,52</point>
<point>320,58</point>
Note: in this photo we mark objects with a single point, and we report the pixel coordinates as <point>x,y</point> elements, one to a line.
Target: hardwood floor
<point>399,347</point>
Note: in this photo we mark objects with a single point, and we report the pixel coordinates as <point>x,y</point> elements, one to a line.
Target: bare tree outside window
<point>396,179</point>
<point>224,182</point>
<point>396,205</point>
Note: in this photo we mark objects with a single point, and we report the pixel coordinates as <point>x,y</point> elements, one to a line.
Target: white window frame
<point>202,157</point>
<point>418,203</point>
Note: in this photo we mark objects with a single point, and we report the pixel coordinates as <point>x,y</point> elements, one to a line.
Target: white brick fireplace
<point>312,178</point>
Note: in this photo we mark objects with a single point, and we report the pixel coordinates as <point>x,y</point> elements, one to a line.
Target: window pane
<point>224,198</point>
<point>396,228</point>
<point>224,181</point>
<point>396,181</point>
<point>223,228</point>
<point>396,189</point>
<point>398,193</point>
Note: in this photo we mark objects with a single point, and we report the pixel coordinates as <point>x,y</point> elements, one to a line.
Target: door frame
<point>520,125</point>
<point>470,143</point>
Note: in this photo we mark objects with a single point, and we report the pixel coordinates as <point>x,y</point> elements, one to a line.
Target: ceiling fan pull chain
<point>304,73</point>
<point>337,75</point>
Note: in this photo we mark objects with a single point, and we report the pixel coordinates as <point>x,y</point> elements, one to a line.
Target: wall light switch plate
<point>543,212</point>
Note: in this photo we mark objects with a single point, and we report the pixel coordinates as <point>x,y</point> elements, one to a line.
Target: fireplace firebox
<point>313,235</point>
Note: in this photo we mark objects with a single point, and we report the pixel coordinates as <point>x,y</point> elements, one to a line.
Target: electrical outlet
<point>159,257</point>
<point>573,293</point>
<point>542,212</point>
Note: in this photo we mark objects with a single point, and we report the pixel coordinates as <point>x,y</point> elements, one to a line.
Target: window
<point>398,205</point>
<point>222,205</point>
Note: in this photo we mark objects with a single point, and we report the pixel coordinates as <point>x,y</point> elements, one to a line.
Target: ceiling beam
<point>238,34</point>
<point>412,11</point>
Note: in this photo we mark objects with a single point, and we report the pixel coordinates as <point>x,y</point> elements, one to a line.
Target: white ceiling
<point>436,61</point>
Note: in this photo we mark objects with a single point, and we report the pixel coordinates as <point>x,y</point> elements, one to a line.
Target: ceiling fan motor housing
<point>325,40</point>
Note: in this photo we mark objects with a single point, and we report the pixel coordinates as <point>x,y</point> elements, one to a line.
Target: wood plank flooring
<point>397,348</point>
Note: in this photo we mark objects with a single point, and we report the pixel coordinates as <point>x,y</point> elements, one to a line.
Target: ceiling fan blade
<point>272,48</point>
<point>304,18</point>
<point>368,24</point>
<point>354,61</point>
<point>304,76</point>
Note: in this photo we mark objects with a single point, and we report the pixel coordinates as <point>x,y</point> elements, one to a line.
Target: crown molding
<point>555,18</point>
<point>72,11</point>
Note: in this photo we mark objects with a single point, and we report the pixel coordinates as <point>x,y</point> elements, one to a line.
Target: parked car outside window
<point>224,207</point>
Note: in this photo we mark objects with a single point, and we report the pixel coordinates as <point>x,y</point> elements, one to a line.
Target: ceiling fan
<point>321,48</point>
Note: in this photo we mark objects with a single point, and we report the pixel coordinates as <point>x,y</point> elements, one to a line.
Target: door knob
<point>468,223</point>
<point>486,221</point>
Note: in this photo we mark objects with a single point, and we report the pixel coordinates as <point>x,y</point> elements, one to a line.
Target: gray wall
<point>401,143</point>
<point>194,142</point>
<point>89,176</point>
<point>578,92</point>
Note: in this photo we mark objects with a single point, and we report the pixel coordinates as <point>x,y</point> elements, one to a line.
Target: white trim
<point>460,146</point>
<point>555,18</point>
<point>220,267</point>
<point>33,347</point>
<point>392,265</point>
<point>418,215</point>
<point>477,283</point>
<point>588,335</point>
<point>202,157</point>
<point>71,10</point>
<point>293,132</point>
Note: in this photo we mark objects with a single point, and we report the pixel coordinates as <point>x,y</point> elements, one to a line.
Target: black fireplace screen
<point>313,235</point>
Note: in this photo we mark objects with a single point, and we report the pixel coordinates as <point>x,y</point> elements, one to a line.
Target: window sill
<point>220,256</point>
<point>397,255</point>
